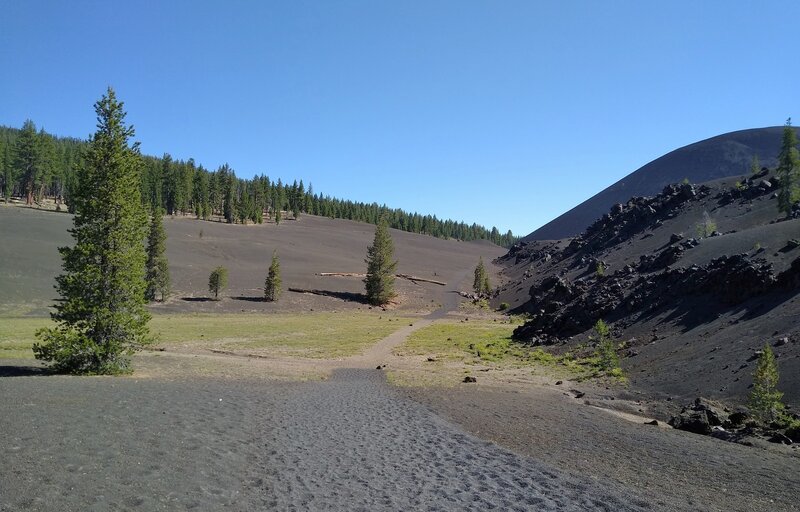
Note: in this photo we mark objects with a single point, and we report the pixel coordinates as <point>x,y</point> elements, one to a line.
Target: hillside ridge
<point>721,156</point>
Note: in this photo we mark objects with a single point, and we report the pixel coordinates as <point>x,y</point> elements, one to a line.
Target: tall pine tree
<point>157,266</point>
<point>101,316</point>
<point>26,159</point>
<point>272,285</point>
<point>381,266</point>
<point>788,169</point>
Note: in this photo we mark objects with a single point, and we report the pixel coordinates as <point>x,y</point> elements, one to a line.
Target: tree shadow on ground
<point>197,299</point>
<point>359,298</point>
<point>250,298</point>
<point>12,370</point>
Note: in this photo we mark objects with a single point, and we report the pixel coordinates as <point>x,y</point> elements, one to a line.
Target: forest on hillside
<point>35,166</point>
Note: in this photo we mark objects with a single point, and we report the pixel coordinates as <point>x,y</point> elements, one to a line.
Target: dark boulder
<point>698,418</point>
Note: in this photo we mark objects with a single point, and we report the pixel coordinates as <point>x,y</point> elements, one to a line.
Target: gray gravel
<point>349,443</point>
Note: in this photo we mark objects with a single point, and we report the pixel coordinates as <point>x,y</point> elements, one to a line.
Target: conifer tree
<point>228,205</point>
<point>27,159</point>
<point>157,267</point>
<point>45,163</point>
<point>480,283</point>
<point>605,351</point>
<point>380,266</point>
<point>101,315</point>
<point>8,175</point>
<point>217,281</point>
<point>272,285</point>
<point>788,170</point>
<point>765,399</point>
<point>755,165</point>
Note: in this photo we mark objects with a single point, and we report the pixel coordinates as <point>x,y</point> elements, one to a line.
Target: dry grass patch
<point>314,335</point>
<point>450,350</point>
<point>17,336</point>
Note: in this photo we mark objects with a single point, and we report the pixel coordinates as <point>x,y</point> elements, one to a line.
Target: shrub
<point>504,306</point>
<point>600,271</point>
<point>793,430</point>
<point>706,227</point>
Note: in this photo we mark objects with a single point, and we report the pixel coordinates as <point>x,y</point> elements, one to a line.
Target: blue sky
<point>505,113</point>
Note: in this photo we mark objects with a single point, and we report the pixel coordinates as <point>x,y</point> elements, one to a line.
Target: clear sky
<point>504,113</point>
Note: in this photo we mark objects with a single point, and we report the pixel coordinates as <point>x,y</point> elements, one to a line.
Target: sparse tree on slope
<point>788,169</point>
<point>755,165</point>
<point>380,266</point>
<point>217,281</point>
<point>101,316</point>
<point>765,399</point>
<point>272,285</point>
<point>481,282</point>
<point>157,267</point>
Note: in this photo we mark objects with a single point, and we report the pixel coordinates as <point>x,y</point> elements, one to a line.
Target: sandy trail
<point>351,443</point>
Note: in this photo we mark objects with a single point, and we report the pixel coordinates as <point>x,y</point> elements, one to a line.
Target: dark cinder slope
<point>722,156</point>
<point>29,262</point>
<point>693,282</point>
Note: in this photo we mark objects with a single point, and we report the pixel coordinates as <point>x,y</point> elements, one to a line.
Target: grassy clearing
<point>489,343</point>
<point>316,335</point>
<point>17,336</point>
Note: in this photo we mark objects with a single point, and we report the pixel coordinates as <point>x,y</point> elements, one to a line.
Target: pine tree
<point>26,159</point>
<point>755,165</point>
<point>788,169</point>
<point>217,281</point>
<point>157,267</point>
<point>229,203</point>
<point>272,285</point>
<point>380,266</point>
<point>606,352</point>
<point>765,399</point>
<point>101,316</point>
<point>45,157</point>
<point>481,282</point>
<point>9,174</point>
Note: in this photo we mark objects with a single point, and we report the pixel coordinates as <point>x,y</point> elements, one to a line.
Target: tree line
<point>36,165</point>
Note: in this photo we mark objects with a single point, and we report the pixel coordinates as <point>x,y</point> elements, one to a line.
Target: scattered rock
<point>738,417</point>
<point>577,394</point>
<point>653,422</point>
<point>781,342</point>
<point>559,382</point>
<point>698,418</point>
<point>469,378</point>
<point>431,359</point>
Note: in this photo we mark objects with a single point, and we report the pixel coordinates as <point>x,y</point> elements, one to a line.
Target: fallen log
<point>414,279</point>
<point>420,279</point>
